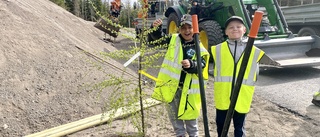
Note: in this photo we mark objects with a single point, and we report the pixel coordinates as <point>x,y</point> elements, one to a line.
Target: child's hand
<point>185,63</point>
<point>157,22</point>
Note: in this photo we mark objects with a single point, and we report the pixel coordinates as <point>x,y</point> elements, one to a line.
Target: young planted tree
<point>131,88</point>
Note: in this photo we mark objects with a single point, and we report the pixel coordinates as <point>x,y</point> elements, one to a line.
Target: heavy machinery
<point>274,37</point>
<point>303,19</point>
<point>153,9</point>
<point>109,25</point>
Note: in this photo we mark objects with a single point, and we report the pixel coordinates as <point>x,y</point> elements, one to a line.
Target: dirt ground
<point>47,81</point>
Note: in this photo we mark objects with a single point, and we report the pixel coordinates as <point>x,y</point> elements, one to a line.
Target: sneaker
<point>316,99</point>
<point>316,102</point>
<point>316,96</point>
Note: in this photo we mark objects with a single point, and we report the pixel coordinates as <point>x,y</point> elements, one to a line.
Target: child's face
<point>235,30</point>
<point>186,32</point>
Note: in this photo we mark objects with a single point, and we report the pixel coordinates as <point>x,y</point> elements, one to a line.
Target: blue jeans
<point>238,122</point>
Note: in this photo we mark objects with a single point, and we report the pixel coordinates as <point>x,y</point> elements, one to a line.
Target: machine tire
<point>308,31</point>
<point>173,23</point>
<point>210,34</point>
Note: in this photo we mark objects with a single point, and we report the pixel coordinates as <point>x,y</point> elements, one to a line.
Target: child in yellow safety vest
<point>179,83</point>
<point>227,58</point>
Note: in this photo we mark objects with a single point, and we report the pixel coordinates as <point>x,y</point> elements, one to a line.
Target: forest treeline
<point>85,10</point>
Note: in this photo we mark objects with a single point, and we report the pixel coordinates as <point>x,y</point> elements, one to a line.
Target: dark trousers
<point>238,122</point>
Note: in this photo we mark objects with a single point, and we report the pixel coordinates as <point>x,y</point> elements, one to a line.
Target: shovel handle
<point>195,23</point>
<point>255,24</point>
<point>200,75</point>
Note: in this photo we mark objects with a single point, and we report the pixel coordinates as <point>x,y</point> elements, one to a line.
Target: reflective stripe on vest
<point>195,86</point>
<point>165,70</point>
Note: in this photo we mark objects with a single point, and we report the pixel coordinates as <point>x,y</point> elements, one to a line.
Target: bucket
<point>108,28</point>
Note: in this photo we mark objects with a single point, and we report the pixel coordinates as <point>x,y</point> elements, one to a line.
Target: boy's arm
<point>157,34</point>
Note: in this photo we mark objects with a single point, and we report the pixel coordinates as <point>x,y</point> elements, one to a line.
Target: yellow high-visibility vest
<point>169,77</point>
<point>223,75</point>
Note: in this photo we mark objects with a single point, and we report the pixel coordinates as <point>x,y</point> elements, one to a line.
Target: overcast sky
<point>125,1</point>
<point>131,1</point>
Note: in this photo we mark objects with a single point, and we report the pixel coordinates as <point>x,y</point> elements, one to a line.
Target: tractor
<point>281,46</point>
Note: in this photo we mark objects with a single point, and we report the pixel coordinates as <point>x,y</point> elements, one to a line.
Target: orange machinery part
<point>146,6</point>
<point>116,4</point>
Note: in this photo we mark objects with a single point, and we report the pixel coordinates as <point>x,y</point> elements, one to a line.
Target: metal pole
<point>199,68</point>
<point>234,96</point>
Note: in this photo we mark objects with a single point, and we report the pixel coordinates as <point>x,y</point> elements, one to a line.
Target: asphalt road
<point>291,88</point>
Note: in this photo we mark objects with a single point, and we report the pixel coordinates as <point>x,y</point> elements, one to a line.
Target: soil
<point>47,80</point>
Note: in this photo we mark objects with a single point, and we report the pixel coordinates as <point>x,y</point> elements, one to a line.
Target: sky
<point>125,1</point>
<point>131,1</point>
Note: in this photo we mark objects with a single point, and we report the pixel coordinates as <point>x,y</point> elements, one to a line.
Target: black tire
<point>172,17</point>
<point>308,31</point>
<point>214,34</point>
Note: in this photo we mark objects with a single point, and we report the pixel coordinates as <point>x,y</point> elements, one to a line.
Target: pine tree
<point>60,3</point>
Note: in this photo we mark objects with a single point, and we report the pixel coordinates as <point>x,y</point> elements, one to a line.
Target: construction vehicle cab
<point>274,37</point>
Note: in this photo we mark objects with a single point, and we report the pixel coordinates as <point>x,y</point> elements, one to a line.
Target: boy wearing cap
<point>227,61</point>
<point>179,83</point>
